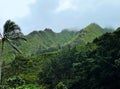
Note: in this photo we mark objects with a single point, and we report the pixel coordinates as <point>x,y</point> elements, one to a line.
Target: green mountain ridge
<point>43,40</point>
<point>40,41</point>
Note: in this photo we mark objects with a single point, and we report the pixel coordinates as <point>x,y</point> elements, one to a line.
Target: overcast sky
<point>59,14</point>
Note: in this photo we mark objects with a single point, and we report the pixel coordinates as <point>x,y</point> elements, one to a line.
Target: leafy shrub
<point>15,81</point>
<point>61,85</point>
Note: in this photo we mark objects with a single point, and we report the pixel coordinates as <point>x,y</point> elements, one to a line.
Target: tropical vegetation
<point>85,59</point>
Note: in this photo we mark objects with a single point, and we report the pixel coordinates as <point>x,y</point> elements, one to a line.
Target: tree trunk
<point>0,72</point>
<point>1,61</point>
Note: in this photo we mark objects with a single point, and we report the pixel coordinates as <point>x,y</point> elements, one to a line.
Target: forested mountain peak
<point>33,33</point>
<point>93,26</point>
<point>48,30</point>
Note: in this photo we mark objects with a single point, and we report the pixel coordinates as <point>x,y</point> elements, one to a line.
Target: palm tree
<point>11,31</point>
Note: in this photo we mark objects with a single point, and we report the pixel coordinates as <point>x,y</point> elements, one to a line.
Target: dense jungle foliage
<point>95,64</point>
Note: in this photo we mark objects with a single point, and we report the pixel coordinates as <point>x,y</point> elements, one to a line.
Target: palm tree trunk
<point>1,60</point>
<point>1,63</point>
<point>0,72</point>
<point>0,69</point>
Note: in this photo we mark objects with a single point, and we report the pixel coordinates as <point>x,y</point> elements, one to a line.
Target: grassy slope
<point>88,34</point>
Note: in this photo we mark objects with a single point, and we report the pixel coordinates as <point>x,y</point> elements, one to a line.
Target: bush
<point>15,81</point>
<point>60,85</point>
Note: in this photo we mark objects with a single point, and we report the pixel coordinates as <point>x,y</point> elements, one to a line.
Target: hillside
<point>43,40</point>
<point>47,40</point>
<point>89,33</point>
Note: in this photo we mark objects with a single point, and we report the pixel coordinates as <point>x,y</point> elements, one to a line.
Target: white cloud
<point>88,6</point>
<point>65,5</point>
<point>60,14</point>
<point>11,9</point>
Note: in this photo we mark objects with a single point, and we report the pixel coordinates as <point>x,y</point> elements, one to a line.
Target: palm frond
<point>14,47</point>
<point>11,28</point>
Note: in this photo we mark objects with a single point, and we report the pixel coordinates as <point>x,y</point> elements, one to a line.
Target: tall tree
<point>11,31</point>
